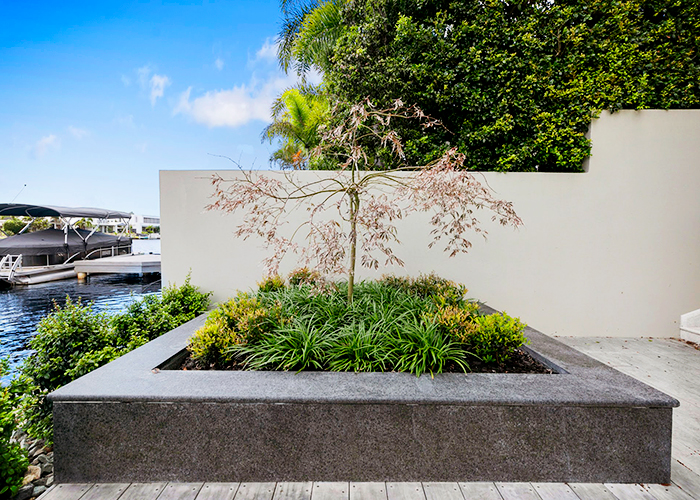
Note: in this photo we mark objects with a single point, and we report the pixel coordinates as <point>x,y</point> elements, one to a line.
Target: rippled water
<point>22,307</point>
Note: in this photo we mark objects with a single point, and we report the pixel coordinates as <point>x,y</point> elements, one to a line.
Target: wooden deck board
<point>107,491</point>
<point>218,491</point>
<point>405,491</point>
<point>629,491</point>
<point>517,491</point>
<point>67,492</point>
<point>591,491</point>
<point>180,491</point>
<point>480,491</point>
<point>554,491</point>
<point>324,490</point>
<point>368,491</point>
<point>442,491</point>
<point>255,491</point>
<point>143,491</point>
<point>293,491</point>
<point>670,492</point>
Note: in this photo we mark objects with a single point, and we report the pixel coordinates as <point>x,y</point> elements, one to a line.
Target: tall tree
<point>310,29</point>
<point>297,115</point>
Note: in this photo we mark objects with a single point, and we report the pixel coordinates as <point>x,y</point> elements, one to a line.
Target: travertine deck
<point>668,365</point>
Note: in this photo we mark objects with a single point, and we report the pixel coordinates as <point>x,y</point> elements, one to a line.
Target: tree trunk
<point>354,206</point>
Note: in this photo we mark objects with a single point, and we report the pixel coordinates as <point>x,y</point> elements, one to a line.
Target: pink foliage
<point>368,201</point>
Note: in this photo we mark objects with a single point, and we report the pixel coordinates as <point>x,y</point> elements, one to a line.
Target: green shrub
<point>63,337</point>
<point>456,321</point>
<point>13,459</point>
<point>441,291</point>
<point>153,316</point>
<point>13,466</point>
<point>241,320</point>
<point>496,337</point>
<point>272,283</point>
<point>73,340</point>
<point>305,276</point>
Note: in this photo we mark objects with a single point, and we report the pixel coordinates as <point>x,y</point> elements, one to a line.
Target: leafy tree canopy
<point>516,83</point>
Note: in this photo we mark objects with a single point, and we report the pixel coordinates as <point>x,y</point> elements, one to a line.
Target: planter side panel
<point>138,441</point>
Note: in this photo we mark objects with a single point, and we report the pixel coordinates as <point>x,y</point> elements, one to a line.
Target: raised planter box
<point>135,420</point>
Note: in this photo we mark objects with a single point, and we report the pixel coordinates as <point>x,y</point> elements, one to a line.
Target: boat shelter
<point>59,246</point>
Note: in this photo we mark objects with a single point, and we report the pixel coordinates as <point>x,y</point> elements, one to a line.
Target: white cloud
<point>127,120</point>
<point>78,133</point>
<point>44,144</point>
<point>268,52</point>
<point>158,84</point>
<point>233,107</point>
<point>219,63</point>
<point>143,73</point>
<point>126,80</point>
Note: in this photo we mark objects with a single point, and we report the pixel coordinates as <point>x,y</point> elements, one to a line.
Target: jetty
<point>121,264</point>
<point>28,258</point>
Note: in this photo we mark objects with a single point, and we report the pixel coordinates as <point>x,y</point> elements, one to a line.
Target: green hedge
<point>74,340</point>
<point>516,83</point>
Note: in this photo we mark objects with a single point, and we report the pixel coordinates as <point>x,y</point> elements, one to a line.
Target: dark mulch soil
<point>520,362</point>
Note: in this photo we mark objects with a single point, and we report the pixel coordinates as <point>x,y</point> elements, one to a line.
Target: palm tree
<point>296,115</point>
<point>310,29</point>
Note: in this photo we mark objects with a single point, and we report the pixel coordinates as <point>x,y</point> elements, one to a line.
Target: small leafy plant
<point>417,325</point>
<point>13,459</point>
<point>74,340</point>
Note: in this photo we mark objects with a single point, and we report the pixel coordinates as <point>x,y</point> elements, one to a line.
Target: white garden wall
<point>614,251</point>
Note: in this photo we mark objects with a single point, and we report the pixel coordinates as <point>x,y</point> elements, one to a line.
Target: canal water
<point>22,307</point>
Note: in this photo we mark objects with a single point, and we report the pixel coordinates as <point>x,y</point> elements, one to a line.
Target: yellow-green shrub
<point>271,283</point>
<point>241,320</point>
<point>457,321</point>
<point>496,337</point>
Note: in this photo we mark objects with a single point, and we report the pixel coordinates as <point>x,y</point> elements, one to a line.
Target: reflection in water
<point>22,307</point>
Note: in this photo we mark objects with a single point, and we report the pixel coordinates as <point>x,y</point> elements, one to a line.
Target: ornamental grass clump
<point>421,325</point>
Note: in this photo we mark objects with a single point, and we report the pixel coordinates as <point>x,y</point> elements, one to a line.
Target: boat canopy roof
<point>52,242</point>
<point>20,209</point>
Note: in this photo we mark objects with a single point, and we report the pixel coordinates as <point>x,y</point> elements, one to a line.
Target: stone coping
<point>579,381</point>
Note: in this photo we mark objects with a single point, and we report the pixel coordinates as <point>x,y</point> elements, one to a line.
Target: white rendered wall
<point>611,252</point>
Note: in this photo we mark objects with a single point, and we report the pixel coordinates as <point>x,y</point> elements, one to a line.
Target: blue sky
<point>97,97</point>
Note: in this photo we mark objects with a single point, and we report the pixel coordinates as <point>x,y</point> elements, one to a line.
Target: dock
<point>121,264</point>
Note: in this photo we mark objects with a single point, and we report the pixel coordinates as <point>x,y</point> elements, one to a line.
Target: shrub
<point>457,321</point>
<point>73,340</point>
<point>441,291</point>
<point>153,316</point>
<point>241,320</point>
<point>496,337</point>
<point>272,283</point>
<point>62,338</point>
<point>305,276</point>
<point>13,459</point>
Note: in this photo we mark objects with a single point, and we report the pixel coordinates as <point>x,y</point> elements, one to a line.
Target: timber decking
<point>666,364</point>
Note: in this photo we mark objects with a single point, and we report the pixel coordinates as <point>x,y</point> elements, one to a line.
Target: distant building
<point>137,223</point>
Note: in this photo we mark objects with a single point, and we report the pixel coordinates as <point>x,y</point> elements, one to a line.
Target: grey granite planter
<point>135,420</point>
